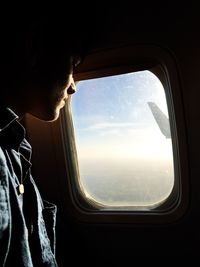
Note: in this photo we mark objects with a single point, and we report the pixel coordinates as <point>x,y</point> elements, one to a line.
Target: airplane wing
<point>161,119</point>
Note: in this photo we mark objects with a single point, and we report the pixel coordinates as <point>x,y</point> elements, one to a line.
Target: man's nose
<point>72,88</point>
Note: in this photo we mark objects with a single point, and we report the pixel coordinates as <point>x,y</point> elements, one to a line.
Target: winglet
<point>161,119</point>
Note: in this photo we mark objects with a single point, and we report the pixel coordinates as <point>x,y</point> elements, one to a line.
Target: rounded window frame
<point>121,60</point>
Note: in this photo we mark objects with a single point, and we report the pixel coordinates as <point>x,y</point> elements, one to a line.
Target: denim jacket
<point>27,223</point>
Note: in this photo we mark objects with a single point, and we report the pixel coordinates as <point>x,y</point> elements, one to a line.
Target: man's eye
<point>76,61</point>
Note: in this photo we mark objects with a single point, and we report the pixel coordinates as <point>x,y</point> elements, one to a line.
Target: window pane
<point>123,140</point>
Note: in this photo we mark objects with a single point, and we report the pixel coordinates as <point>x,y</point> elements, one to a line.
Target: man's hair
<point>42,33</point>
<point>47,36</point>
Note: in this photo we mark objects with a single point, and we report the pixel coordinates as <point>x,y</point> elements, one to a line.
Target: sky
<point>113,120</point>
<point>123,156</point>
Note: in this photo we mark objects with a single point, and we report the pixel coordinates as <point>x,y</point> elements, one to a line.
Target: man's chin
<point>47,116</point>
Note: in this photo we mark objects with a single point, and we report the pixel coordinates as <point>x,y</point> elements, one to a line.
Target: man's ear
<point>30,51</point>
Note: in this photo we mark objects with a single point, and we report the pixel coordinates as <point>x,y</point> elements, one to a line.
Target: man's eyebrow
<point>76,60</point>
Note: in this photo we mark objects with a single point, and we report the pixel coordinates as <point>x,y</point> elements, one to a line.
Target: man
<point>36,77</point>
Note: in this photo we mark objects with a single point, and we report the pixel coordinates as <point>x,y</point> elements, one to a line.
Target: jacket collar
<point>7,116</point>
<point>12,132</point>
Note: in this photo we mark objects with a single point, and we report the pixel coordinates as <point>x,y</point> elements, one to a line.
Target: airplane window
<point>123,140</point>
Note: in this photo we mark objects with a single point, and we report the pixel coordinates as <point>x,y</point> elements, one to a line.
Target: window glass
<point>123,140</point>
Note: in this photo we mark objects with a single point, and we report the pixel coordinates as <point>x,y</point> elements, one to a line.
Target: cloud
<point>108,125</point>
